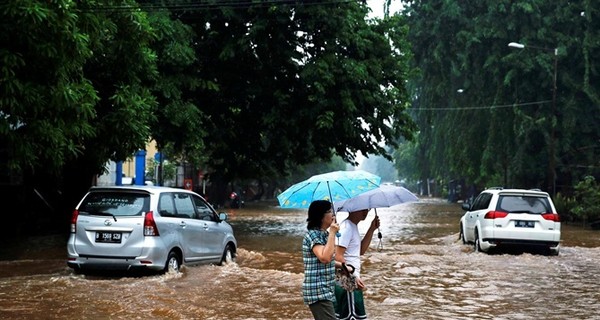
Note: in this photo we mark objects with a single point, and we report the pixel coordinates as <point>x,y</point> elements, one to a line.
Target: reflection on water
<point>421,272</point>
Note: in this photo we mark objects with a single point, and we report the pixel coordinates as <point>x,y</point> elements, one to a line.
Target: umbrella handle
<point>379,235</point>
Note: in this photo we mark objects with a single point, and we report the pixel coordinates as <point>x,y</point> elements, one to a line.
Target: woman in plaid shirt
<point>318,248</point>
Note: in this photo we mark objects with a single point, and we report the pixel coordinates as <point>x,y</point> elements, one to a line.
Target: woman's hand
<point>360,285</point>
<point>334,227</point>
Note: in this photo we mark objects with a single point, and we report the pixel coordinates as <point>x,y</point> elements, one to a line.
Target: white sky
<point>377,7</point>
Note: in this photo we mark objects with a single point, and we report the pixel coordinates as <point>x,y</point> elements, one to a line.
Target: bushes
<point>587,195</point>
<point>583,206</point>
<point>564,206</point>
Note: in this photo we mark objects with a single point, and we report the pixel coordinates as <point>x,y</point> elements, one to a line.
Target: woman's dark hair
<point>316,212</point>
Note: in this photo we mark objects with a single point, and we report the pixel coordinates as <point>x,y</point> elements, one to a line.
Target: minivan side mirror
<point>222,216</point>
<point>466,206</point>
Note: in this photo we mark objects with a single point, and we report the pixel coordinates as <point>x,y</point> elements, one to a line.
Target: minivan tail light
<point>74,220</point>
<point>495,215</point>
<point>551,216</point>
<point>150,228</point>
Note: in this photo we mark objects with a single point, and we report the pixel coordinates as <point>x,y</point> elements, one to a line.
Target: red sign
<point>187,184</point>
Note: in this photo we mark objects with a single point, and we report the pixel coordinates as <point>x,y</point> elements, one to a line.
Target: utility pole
<point>551,181</point>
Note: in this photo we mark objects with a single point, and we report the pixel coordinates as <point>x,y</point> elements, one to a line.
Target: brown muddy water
<point>421,271</point>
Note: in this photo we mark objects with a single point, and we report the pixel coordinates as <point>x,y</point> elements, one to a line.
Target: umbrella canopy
<point>331,186</point>
<point>381,197</point>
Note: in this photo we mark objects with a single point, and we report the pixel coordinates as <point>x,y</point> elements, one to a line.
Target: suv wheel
<point>461,235</point>
<point>173,263</point>
<point>476,246</point>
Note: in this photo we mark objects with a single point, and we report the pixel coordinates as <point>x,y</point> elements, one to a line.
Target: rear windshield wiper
<point>105,214</point>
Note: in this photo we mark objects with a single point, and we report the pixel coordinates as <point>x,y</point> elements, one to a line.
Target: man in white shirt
<point>350,305</point>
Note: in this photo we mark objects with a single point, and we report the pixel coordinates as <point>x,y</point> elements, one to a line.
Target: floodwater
<point>419,270</point>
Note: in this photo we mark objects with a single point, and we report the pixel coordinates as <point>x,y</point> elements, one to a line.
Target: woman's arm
<point>325,252</point>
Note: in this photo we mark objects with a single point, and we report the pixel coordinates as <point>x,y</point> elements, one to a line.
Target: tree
<point>74,94</point>
<point>121,69</point>
<point>497,131</point>
<point>587,205</point>
<point>252,90</point>
<point>46,103</point>
<point>299,83</point>
<point>179,126</point>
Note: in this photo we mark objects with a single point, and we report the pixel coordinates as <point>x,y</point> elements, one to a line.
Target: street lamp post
<point>552,146</point>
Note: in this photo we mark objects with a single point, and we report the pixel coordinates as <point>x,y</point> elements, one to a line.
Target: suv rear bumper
<point>547,247</point>
<point>493,237</point>
<point>522,242</point>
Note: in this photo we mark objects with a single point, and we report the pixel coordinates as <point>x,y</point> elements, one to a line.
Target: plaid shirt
<point>319,278</point>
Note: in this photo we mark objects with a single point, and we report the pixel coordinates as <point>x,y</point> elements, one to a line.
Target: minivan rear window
<point>115,203</point>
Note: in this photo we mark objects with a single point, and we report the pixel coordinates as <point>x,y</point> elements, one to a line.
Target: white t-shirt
<point>350,239</point>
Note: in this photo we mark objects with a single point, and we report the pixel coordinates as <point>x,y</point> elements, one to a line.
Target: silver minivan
<point>147,227</point>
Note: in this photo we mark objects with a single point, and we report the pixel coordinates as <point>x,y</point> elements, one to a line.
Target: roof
<point>152,189</point>
<point>517,191</point>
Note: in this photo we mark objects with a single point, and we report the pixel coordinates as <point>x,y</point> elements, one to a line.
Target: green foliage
<point>46,104</point>
<point>298,84</point>
<point>178,126</point>
<point>122,66</point>
<point>405,160</point>
<point>587,193</point>
<point>564,206</point>
<point>169,169</point>
<point>497,131</point>
<point>245,93</point>
<point>304,172</point>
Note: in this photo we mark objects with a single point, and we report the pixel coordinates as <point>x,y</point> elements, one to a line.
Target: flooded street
<point>422,271</point>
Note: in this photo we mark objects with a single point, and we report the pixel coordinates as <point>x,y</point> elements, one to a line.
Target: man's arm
<point>339,254</point>
<point>366,241</point>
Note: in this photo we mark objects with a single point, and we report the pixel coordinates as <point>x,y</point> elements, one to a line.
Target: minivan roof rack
<point>495,188</point>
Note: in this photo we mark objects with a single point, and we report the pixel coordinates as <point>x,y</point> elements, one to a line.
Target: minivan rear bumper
<point>111,263</point>
<point>153,257</point>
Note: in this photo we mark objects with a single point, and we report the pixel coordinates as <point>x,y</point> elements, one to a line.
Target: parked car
<point>511,217</point>
<point>147,227</point>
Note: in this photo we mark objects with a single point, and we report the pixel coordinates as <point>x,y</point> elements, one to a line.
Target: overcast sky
<point>377,7</point>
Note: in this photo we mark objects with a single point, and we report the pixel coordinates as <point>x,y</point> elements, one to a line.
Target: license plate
<point>108,237</point>
<point>524,224</point>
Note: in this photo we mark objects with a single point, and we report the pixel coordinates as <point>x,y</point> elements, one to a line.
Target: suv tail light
<point>551,216</point>
<point>74,220</point>
<point>495,215</point>
<point>150,228</point>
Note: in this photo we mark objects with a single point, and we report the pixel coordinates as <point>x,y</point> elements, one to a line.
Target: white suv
<point>511,217</point>
<point>147,227</point>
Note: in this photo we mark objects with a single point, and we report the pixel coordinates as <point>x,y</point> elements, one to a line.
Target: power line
<point>484,107</point>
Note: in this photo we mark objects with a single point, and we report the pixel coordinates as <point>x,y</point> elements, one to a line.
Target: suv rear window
<point>115,203</point>
<point>525,204</point>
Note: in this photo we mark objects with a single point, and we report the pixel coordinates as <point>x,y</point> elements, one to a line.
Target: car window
<point>485,200</point>
<point>482,201</point>
<point>204,211</point>
<point>115,203</point>
<point>166,208</point>
<point>527,204</point>
<point>184,205</point>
